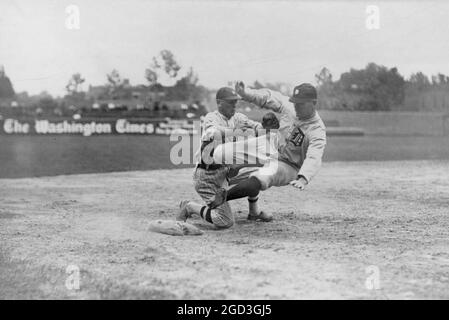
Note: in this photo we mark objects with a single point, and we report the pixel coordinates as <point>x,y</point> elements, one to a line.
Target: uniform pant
<point>207,183</point>
<point>250,151</point>
<point>257,150</point>
<point>257,157</point>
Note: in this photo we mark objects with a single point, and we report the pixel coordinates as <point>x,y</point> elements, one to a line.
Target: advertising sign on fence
<point>90,127</point>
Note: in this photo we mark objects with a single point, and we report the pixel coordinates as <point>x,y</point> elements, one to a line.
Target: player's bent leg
<point>222,216</point>
<point>249,151</point>
<point>246,188</point>
<point>253,208</point>
<point>207,184</point>
<point>266,174</point>
<point>243,174</point>
<point>275,174</point>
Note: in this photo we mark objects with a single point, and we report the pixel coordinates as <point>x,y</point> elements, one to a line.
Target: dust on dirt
<point>356,221</point>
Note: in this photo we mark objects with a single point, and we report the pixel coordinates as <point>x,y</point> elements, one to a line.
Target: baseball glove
<point>270,121</point>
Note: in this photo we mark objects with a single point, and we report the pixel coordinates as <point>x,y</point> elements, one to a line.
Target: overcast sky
<point>257,40</point>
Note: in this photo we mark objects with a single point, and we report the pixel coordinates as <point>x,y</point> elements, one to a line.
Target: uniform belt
<point>209,166</point>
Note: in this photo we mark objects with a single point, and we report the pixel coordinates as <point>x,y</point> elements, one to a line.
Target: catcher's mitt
<point>270,121</point>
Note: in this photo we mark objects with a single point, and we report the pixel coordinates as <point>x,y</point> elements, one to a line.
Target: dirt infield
<point>325,242</point>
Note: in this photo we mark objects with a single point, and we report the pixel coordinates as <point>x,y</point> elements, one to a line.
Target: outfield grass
<point>28,156</point>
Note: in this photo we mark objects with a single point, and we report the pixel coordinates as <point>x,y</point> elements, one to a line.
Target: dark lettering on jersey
<point>296,137</point>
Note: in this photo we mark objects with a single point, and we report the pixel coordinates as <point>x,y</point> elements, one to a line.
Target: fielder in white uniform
<point>210,177</point>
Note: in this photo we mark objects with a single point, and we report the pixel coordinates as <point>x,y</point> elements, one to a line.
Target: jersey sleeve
<point>210,121</point>
<point>269,99</point>
<point>210,124</point>
<point>314,154</point>
<point>212,127</point>
<point>243,122</point>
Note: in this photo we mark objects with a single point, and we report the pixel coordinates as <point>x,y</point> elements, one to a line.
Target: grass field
<point>29,156</point>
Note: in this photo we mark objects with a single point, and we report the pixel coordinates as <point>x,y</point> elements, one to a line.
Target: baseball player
<point>209,178</point>
<point>300,145</point>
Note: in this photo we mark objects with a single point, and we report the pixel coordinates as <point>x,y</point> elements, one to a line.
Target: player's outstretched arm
<point>211,127</point>
<point>312,163</point>
<point>263,98</point>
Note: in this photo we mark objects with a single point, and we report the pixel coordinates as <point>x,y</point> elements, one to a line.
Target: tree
<point>443,79</point>
<point>151,76</point>
<point>163,70</point>
<point>324,78</point>
<point>75,97</point>
<point>116,84</point>
<point>374,88</point>
<point>114,80</point>
<point>187,88</point>
<point>419,80</point>
<point>6,89</point>
<point>47,103</point>
<point>74,85</point>
<point>440,79</point>
<point>325,87</point>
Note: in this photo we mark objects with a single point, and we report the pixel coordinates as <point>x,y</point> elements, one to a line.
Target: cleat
<point>219,199</point>
<point>183,212</point>
<point>262,216</point>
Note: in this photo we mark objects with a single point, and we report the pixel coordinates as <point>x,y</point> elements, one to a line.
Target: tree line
<point>379,88</point>
<point>166,80</point>
<point>373,88</point>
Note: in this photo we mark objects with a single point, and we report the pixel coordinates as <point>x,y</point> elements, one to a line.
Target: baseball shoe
<point>183,212</point>
<point>262,216</point>
<point>219,199</point>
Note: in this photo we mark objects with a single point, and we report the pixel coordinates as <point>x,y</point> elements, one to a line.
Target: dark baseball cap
<point>226,93</point>
<point>303,93</point>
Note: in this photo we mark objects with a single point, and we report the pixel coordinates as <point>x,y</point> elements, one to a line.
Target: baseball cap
<point>303,93</point>
<point>226,93</point>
